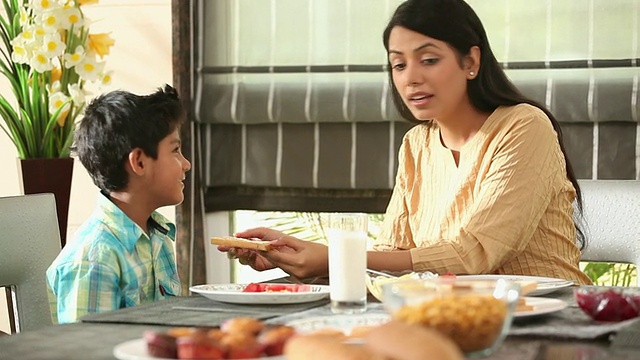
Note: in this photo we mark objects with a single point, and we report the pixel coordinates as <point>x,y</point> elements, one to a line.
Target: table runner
<point>569,323</point>
<point>629,337</point>
<point>194,311</point>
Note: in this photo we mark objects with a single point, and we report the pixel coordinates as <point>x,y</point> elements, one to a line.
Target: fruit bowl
<point>608,304</point>
<point>475,314</point>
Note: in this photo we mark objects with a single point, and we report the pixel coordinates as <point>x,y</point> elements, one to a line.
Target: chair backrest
<point>29,242</point>
<point>612,216</point>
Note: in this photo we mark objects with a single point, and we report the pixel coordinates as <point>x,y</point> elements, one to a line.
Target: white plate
<point>344,323</point>
<point>137,350</point>
<point>541,306</point>
<point>232,293</point>
<point>545,285</point>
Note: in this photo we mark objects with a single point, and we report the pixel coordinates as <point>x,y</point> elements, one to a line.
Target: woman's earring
<point>471,73</point>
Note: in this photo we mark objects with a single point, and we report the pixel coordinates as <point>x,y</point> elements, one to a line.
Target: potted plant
<point>48,55</point>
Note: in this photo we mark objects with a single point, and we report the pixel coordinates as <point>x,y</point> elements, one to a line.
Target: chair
<point>612,217</point>
<point>30,241</point>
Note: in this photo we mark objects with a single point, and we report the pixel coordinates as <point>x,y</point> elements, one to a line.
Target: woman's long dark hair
<point>455,22</point>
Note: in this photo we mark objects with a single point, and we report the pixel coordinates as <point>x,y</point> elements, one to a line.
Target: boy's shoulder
<point>93,243</point>
<point>95,230</point>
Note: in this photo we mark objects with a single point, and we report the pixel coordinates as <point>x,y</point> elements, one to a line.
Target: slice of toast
<point>527,286</point>
<point>241,243</point>
<point>523,306</point>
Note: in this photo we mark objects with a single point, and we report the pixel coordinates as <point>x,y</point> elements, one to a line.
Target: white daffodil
<point>53,19</point>
<point>53,45</point>
<point>60,101</point>
<point>73,59</point>
<point>28,34</point>
<point>24,17</point>
<point>105,78</point>
<point>89,68</point>
<point>40,62</point>
<point>40,6</point>
<point>53,88</point>
<point>71,16</point>
<point>41,31</point>
<point>20,53</point>
<point>77,94</point>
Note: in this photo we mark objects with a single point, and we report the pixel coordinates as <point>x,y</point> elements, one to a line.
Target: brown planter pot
<point>53,175</point>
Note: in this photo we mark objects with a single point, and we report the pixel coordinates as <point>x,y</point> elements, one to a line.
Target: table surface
<point>96,337</point>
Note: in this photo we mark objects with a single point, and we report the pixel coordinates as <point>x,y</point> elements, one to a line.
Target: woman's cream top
<point>507,208</point>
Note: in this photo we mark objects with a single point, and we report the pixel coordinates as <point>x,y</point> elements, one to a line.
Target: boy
<point>123,255</point>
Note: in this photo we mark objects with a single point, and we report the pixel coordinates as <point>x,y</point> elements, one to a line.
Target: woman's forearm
<point>396,260</point>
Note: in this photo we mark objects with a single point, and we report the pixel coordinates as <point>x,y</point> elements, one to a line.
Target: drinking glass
<point>347,238</point>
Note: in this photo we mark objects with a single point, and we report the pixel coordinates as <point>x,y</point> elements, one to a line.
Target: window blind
<point>293,102</point>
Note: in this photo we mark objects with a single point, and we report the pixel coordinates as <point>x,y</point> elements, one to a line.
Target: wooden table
<point>96,339</point>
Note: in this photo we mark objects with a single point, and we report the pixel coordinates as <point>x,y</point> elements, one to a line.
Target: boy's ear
<point>137,161</point>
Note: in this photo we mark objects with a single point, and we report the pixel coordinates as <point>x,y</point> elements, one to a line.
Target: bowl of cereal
<point>376,279</point>
<point>475,314</point>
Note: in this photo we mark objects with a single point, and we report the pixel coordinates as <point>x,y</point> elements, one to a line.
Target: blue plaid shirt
<point>112,264</point>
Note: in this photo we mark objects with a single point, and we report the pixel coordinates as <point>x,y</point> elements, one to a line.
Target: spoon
<point>380,273</point>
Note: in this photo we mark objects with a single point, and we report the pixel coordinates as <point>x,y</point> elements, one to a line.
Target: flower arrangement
<point>48,57</point>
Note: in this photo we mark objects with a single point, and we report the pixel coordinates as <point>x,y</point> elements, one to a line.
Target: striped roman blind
<point>294,110</point>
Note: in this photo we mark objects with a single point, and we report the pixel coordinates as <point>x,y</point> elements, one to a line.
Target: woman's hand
<point>297,257</point>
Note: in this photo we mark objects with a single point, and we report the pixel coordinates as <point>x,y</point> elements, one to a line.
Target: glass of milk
<point>347,238</point>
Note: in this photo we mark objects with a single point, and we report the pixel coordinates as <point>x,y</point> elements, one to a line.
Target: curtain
<point>190,253</point>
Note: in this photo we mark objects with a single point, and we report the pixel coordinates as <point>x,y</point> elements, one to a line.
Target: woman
<point>483,185</point>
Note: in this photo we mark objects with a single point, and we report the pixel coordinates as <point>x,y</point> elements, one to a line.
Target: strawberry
<point>253,287</point>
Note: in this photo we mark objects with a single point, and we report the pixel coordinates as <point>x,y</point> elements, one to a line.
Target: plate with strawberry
<point>262,293</point>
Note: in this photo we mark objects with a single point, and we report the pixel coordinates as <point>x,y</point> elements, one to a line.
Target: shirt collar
<point>127,231</point>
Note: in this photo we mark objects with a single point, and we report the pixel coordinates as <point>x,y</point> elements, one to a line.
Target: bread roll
<point>400,341</point>
<point>325,347</point>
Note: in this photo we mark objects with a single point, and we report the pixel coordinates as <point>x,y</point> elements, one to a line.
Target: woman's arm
<point>395,260</point>
<point>305,259</point>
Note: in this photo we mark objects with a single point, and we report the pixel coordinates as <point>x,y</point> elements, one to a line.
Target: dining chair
<point>30,241</point>
<point>612,221</point>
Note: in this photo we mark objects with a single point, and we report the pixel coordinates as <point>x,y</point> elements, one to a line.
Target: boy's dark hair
<point>117,122</point>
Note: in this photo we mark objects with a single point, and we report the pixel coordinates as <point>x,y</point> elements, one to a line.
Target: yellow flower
<point>87,2</point>
<point>61,101</point>
<point>42,4</point>
<point>24,17</point>
<point>50,20</point>
<point>105,78</point>
<point>56,74</point>
<point>100,43</point>
<point>62,118</point>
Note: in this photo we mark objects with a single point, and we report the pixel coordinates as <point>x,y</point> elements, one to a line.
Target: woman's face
<point>427,73</point>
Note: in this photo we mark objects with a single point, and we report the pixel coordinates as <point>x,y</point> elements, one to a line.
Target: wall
<point>141,61</point>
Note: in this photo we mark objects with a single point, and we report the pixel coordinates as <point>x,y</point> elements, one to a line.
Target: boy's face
<point>168,172</point>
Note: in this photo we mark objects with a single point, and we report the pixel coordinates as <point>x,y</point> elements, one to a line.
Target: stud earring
<point>471,73</point>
